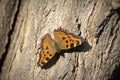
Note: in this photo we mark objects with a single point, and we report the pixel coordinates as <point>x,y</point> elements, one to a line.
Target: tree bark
<point>24,22</point>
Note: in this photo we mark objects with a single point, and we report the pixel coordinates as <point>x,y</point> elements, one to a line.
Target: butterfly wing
<point>65,39</point>
<point>48,50</point>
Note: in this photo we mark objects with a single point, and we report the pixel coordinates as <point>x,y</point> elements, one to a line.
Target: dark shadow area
<point>79,26</point>
<point>101,27</point>
<point>118,11</point>
<point>116,73</point>
<point>81,48</point>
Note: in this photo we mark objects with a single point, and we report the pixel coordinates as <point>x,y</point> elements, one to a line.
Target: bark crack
<point>64,75</point>
<point>102,26</point>
<point>15,14</point>
<point>112,35</point>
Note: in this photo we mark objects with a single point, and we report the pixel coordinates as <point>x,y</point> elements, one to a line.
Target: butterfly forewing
<point>66,40</point>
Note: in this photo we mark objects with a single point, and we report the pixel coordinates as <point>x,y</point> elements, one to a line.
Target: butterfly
<point>63,40</point>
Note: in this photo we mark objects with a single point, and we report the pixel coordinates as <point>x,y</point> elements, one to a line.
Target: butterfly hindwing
<point>48,50</point>
<point>65,39</point>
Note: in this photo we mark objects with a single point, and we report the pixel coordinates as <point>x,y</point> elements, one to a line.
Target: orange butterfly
<point>63,41</point>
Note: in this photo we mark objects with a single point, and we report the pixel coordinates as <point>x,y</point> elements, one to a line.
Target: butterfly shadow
<point>81,48</point>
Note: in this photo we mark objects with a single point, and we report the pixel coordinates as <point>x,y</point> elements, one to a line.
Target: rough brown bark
<point>24,22</point>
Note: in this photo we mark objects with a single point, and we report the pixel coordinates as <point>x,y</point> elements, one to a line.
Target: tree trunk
<point>24,22</point>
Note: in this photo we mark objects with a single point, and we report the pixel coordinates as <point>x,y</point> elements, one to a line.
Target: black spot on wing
<point>47,58</point>
<point>47,52</point>
<point>71,45</point>
<point>44,55</point>
<point>71,40</point>
<point>63,38</point>
<point>66,46</point>
<point>77,43</point>
<point>50,54</point>
<point>66,41</point>
<point>47,47</point>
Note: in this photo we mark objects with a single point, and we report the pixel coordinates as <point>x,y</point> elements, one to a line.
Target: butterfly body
<point>63,40</point>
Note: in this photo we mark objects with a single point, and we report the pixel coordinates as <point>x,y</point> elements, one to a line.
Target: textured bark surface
<point>24,22</point>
